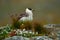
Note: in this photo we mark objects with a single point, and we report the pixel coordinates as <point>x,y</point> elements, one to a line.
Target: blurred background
<point>46,11</point>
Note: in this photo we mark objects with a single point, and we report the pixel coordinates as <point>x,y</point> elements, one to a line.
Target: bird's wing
<point>23,15</point>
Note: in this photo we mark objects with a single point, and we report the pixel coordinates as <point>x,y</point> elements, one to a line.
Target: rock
<point>15,38</point>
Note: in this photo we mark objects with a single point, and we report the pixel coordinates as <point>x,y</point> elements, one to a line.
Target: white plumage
<point>27,16</point>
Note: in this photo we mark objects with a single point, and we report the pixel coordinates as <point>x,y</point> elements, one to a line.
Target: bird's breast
<point>29,18</point>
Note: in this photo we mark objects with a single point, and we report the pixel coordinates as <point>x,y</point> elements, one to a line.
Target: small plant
<point>15,23</point>
<point>4,32</point>
<point>39,28</point>
<point>28,25</point>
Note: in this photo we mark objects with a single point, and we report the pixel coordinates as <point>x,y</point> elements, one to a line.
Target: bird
<point>27,15</point>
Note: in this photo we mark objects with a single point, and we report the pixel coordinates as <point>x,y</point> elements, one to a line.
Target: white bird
<point>27,16</point>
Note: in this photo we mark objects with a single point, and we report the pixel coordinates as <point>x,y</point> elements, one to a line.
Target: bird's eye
<point>29,8</point>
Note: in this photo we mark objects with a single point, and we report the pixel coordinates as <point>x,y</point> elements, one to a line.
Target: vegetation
<point>27,25</point>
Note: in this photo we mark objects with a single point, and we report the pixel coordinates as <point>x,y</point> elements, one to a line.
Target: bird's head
<point>29,10</point>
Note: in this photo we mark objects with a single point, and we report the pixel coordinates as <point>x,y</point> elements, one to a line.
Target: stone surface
<point>24,38</point>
